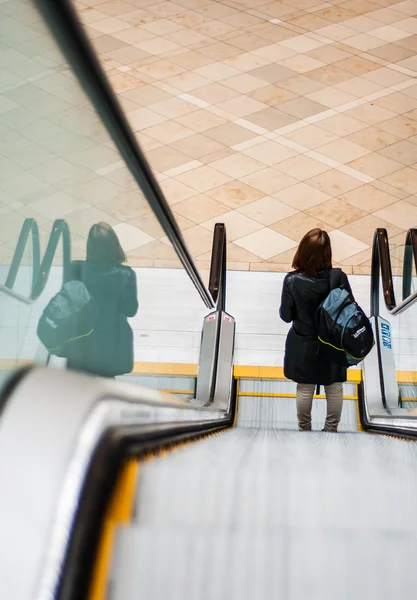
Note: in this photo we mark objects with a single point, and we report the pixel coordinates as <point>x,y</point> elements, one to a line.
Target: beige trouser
<point>334,397</point>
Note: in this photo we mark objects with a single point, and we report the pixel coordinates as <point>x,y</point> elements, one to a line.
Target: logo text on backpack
<point>357,333</point>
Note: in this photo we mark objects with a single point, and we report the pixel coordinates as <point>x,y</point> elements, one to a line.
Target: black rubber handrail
<point>381,263</point>
<point>29,228</point>
<point>217,279</point>
<point>40,271</point>
<point>71,38</point>
<point>410,260</point>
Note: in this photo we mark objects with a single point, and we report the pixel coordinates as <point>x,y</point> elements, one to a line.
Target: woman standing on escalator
<point>108,351</point>
<point>304,289</point>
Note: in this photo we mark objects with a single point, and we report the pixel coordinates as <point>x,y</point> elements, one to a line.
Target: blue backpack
<point>344,331</point>
<point>69,317</point>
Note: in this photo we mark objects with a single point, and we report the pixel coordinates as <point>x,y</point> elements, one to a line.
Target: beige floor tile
<point>401,214</point>
<point>272,95</point>
<point>301,196</point>
<point>244,83</point>
<point>370,114</point>
<point>146,95</point>
<point>345,245</point>
<point>235,194</point>
<point>271,118</point>
<point>274,53</point>
<point>123,82</point>
<point>357,65</point>
<point>267,210</point>
<point>331,97</point>
<point>375,165</point>
<point>160,69</point>
<point>187,81</point>
<point>241,106</point>
<point>237,225</point>
<point>297,226</point>
<point>403,152</point>
<point>301,64</point>
<point>203,179</point>
<point>286,258</point>
<point>173,108</point>
<point>237,165</point>
<point>200,120</point>
<point>165,158</point>
<point>190,60</point>
<point>247,61</point>
<point>336,213</point>
<point>269,181</point>
<point>175,191</point>
<point>272,73</point>
<point>230,134</point>
<point>359,87</point>
<point>109,25</point>
<point>168,132</point>
<point>302,107</point>
<point>270,153</point>
<point>393,191</point>
<point>217,71</point>
<point>342,125</point>
<point>398,103</point>
<point>400,126</point>
<point>330,75</point>
<point>144,118</point>
<point>334,183</point>
<point>302,167</point>
<point>200,208</point>
<point>358,259</point>
<point>312,136</point>
<point>343,151</point>
<point>150,251</point>
<point>373,138</point>
<point>214,93</point>
<point>198,239</point>
<point>301,85</point>
<point>207,159</point>
<point>363,229</point>
<point>368,198</point>
<point>266,243</point>
<point>125,206</point>
<point>197,146</point>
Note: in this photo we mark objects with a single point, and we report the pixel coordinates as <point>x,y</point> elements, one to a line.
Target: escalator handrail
<point>410,257</point>
<point>381,263</point>
<point>29,227</point>
<point>71,38</point>
<point>40,271</point>
<point>217,279</point>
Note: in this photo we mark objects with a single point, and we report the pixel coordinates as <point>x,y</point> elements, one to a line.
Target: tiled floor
<point>274,117</point>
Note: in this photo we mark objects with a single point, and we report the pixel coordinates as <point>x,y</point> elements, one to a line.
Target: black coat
<point>301,296</point>
<point>108,351</point>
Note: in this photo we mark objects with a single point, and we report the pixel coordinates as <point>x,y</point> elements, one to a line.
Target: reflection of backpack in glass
<point>69,316</point>
<point>344,331</point>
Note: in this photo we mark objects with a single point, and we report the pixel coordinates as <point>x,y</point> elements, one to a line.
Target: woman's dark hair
<point>103,246</point>
<point>314,253</point>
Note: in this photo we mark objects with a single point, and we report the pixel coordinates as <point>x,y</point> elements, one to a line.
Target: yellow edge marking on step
<point>184,369</point>
<point>119,512</point>
<point>237,404</point>
<point>272,395</point>
<point>191,370</point>
<point>181,392</point>
<point>360,428</point>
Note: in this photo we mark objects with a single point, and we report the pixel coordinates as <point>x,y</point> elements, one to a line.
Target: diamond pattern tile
<point>272,117</point>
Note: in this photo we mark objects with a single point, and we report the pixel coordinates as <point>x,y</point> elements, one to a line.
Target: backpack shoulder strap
<point>335,278</point>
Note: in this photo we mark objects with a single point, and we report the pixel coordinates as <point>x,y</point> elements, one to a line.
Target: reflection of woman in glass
<point>108,351</point>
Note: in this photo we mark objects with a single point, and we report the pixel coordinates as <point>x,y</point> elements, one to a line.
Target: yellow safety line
<point>119,512</point>
<point>273,395</point>
<point>237,403</point>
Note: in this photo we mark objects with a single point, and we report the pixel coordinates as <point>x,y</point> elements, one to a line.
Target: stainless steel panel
<point>208,351</point>
<point>48,432</point>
